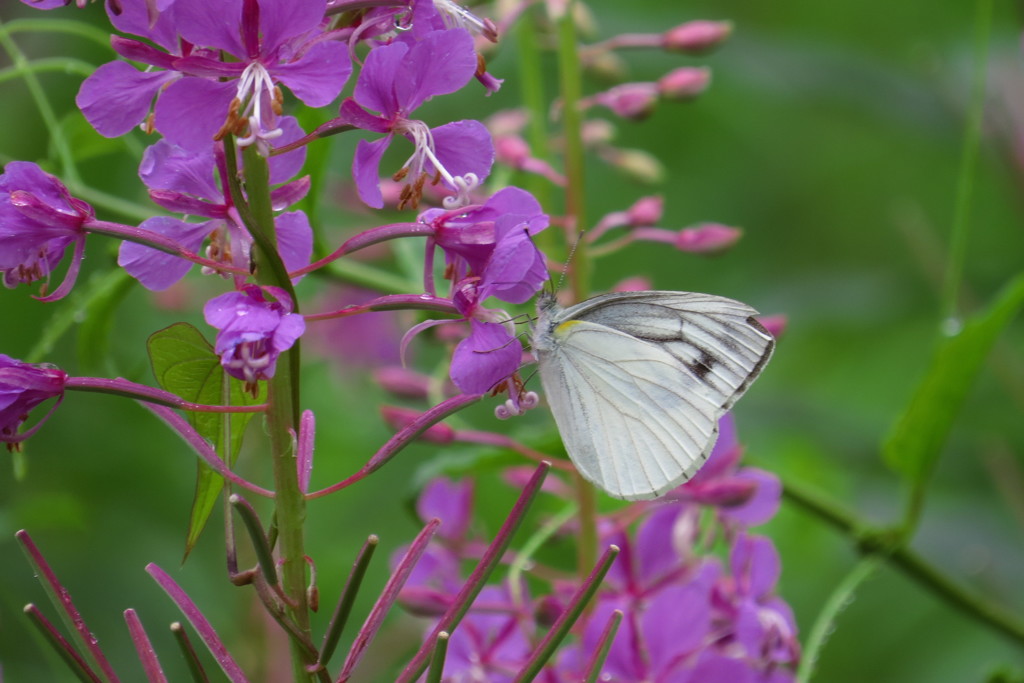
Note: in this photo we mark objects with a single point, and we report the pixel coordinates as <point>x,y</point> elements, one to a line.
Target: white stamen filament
<point>423,141</point>
<point>254,83</point>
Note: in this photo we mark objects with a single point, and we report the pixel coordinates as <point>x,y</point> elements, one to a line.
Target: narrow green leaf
<point>916,440</point>
<point>184,363</point>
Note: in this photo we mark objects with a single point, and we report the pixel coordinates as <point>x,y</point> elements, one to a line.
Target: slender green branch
<point>825,623</point>
<point>873,542</point>
<point>282,396</point>
<point>968,162</point>
<point>571,79</point>
<point>35,88</point>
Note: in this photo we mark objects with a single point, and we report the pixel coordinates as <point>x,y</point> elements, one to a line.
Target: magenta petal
<point>133,18</point>
<point>441,63</point>
<point>375,88</point>
<point>158,270</point>
<point>755,565</point>
<point>319,75</point>
<point>211,24</point>
<point>762,505</point>
<point>450,502</point>
<point>117,96</point>
<point>655,548</point>
<point>283,167</point>
<point>715,668</point>
<point>464,147</point>
<point>282,19</point>
<point>294,239</point>
<point>489,355</point>
<point>366,170</point>
<point>354,115</point>
<point>167,167</point>
<point>192,110</point>
<point>675,624</point>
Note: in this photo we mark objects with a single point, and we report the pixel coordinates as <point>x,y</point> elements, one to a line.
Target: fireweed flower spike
<point>39,220</point>
<point>278,42</point>
<point>253,331</point>
<point>395,80</point>
<point>24,386</point>
<point>195,183</point>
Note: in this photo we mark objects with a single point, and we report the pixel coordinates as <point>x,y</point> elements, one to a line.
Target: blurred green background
<point>831,133</point>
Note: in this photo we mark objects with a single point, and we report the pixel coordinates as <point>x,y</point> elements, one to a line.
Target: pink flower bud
<point>707,238</point>
<point>696,36</point>
<point>646,211</point>
<point>511,150</point>
<point>630,100</point>
<point>775,324</point>
<point>398,418</point>
<point>684,83</point>
<point>402,382</point>
<point>633,284</point>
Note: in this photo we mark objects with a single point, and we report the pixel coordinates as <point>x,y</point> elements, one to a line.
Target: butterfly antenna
<point>568,259</point>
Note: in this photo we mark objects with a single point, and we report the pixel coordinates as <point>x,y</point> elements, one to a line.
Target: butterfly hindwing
<point>638,380</point>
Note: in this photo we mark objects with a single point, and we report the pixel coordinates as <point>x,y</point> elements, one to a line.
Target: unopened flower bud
<point>646,211</point>
<point>633,284</point>
<point>684,83</point>
<point>402,382</point>
<point>423,602</point>
<point>695,37</point>
<point>633,101</point>
<point>708,238</point>
<point>636,163</point>
<point>775,324</point>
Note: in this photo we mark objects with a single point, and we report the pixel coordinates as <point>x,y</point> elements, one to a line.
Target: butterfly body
<point>637,381</point>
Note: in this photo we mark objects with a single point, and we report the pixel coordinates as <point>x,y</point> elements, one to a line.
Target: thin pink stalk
<point>143,646</point>
<point>402,439</point>
<point>475,583</point>
<point>202,448</point>
<point>505,441</point>
<point>392,302</point>
<point>60,643</point>
<point>199,623</point>
<point>365,239</point>
<point>141,392</point>
<point>304,449</point>
<point>387,598</point>
<point>62,600</point>
<point>155,240</point>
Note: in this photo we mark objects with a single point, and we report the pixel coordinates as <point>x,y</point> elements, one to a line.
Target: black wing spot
<point>703,366</point>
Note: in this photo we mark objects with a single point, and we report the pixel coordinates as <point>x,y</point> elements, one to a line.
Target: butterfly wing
<point>637,382</point>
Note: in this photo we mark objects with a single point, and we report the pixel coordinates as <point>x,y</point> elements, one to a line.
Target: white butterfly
<point>637,381</point>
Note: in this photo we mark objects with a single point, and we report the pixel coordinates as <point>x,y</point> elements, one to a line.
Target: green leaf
<point>916,440</point>
<point>184,363</point>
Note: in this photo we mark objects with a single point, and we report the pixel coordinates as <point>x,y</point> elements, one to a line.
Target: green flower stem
<point>282,399</point>
<point>571,84</point>
<point>531,86</point>
<point>871,542</point>
<point>968,163</point>
<point>824,624</point>
<point>570,77</point>
<point>60,143</point>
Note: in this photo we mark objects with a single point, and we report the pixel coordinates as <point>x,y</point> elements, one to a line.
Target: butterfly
<point>637,381</point>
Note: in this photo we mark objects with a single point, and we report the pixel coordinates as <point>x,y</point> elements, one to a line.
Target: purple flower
<point>201,97</point>
<point>395,80</point>
<point>39,219</point>
<point>763,624</point>
<point>252,331</point>
<point>746,496</point>
<point>23,387</point>
<point>194,183</point>
<point>493,241</point>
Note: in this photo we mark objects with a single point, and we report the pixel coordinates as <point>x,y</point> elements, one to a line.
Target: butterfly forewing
<point>638,380</point>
